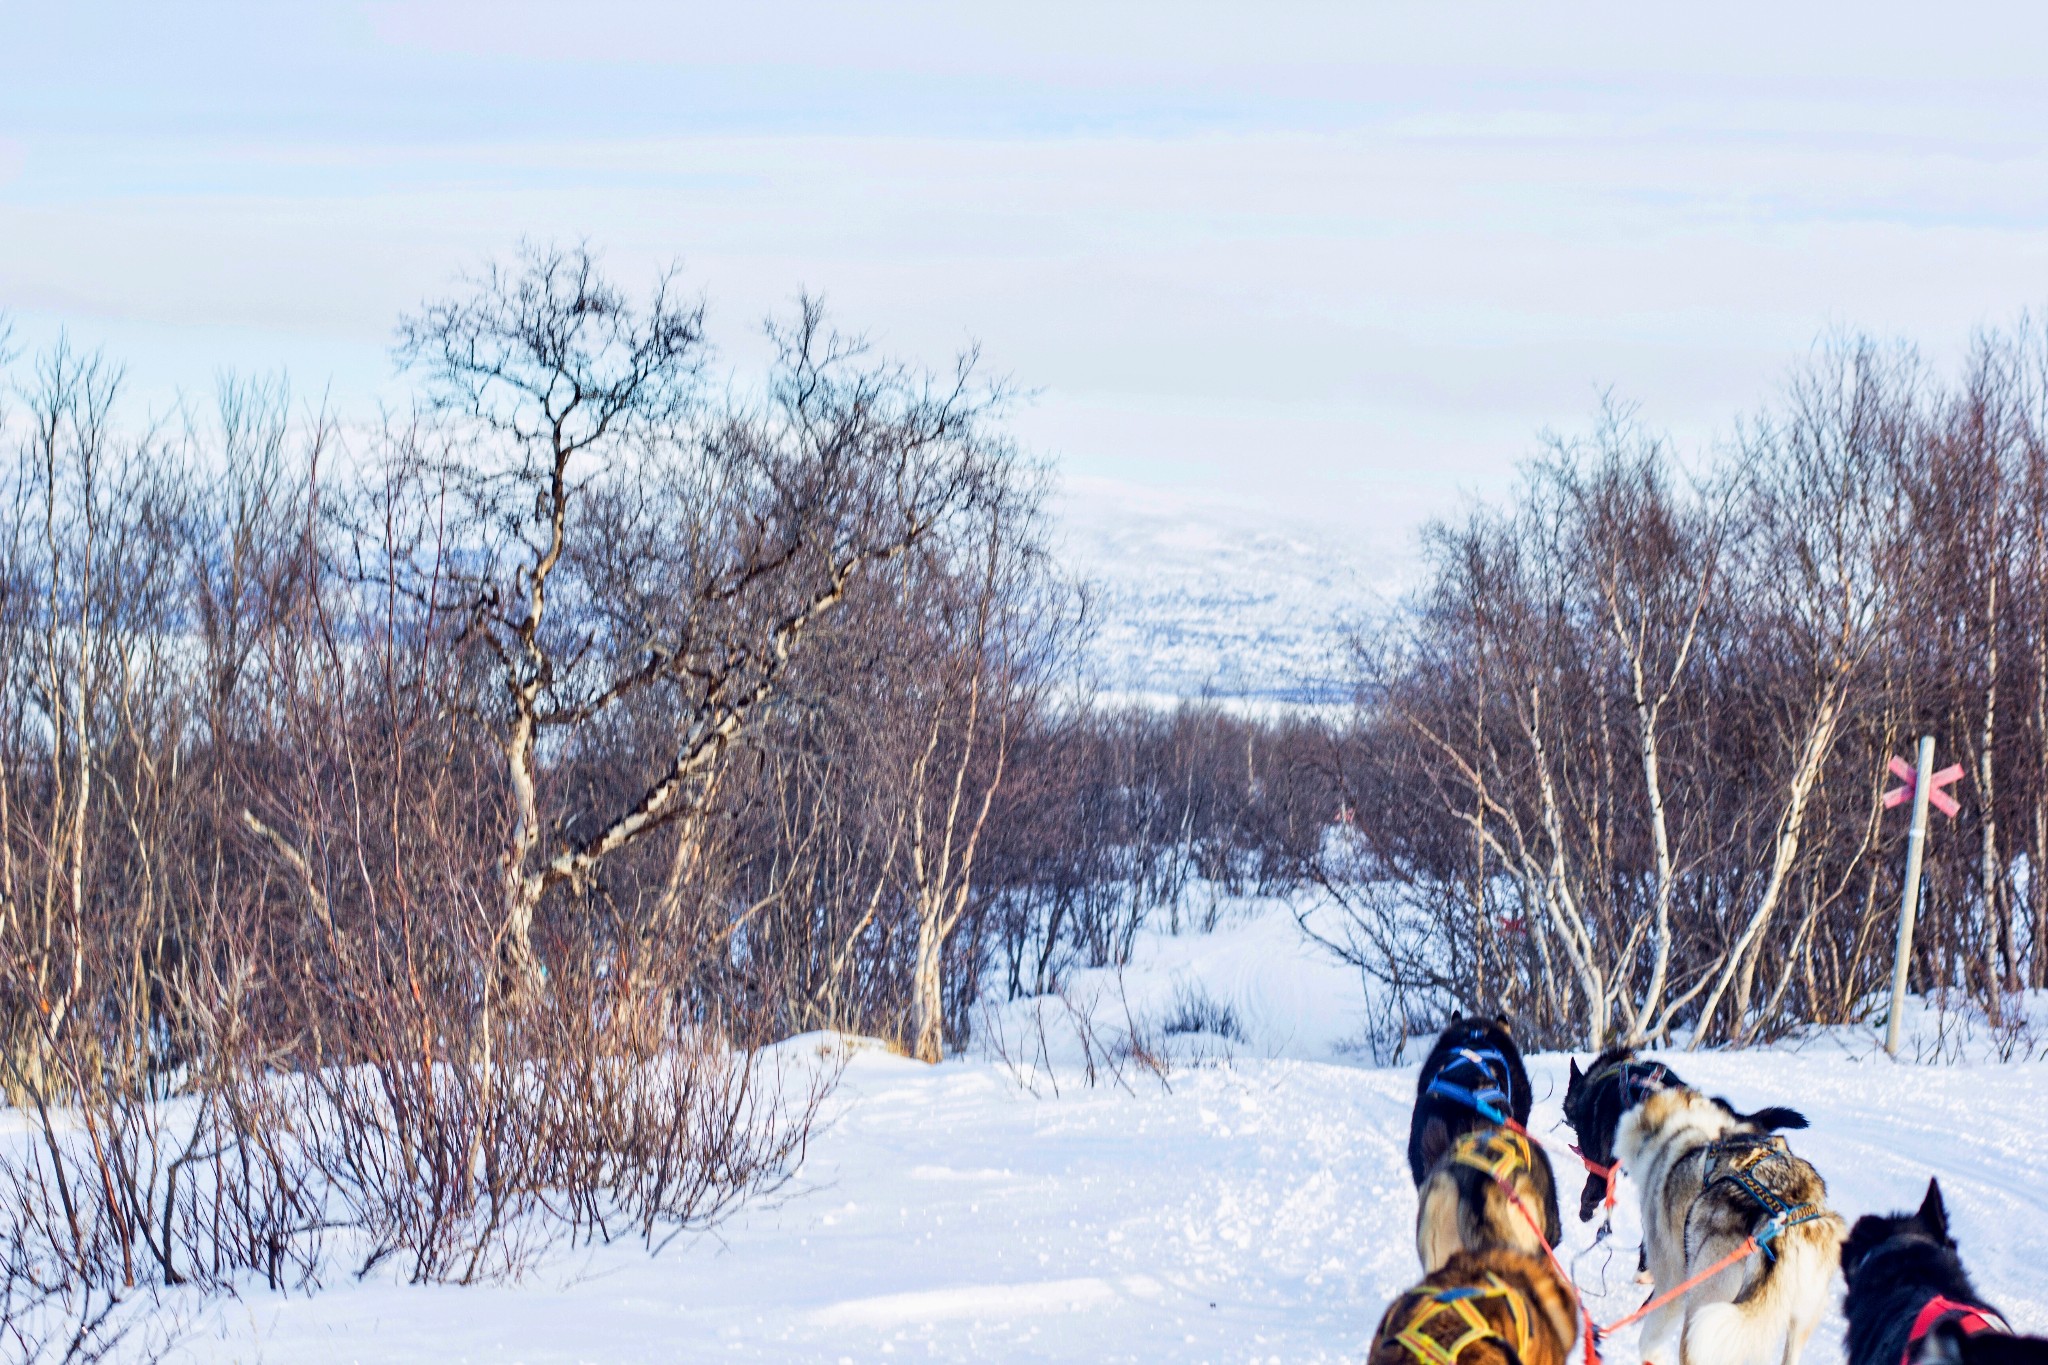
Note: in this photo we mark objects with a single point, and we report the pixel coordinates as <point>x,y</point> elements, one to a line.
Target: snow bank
<point>1258,1210</point>
<point>1277,993</point>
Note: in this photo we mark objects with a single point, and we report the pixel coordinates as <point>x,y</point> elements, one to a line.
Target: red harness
<point>1607,1173</point>
<point>1973,1320</point>
<point>1633,1087</point>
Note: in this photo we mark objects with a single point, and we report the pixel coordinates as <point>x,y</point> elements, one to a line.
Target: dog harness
<point>1463,1303</point>
<point>1486,1075</point>
<point>1974,1319</point>
<point>1637,1080</point>
<point>1498,1152</point>
<point>1745,1153</point>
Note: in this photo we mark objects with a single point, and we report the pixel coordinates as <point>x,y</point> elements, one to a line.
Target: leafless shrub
<point>402,830</point>
<point>1196,1011</point>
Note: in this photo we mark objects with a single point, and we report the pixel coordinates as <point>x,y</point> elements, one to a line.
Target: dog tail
<point>1770,1119</point>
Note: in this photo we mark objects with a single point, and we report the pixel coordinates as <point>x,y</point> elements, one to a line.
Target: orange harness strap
<point>1611,1173</point>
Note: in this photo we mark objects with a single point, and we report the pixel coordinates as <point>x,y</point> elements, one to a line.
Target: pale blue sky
<point>1340,261</point>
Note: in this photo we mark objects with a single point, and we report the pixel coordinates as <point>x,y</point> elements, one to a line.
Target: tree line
<point>1619,766</point>
<point>418,838</point>
<point>421,839</point>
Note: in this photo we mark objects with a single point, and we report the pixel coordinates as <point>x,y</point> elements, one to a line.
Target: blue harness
<point>1749,1151</point>
<point>1486,1074</point>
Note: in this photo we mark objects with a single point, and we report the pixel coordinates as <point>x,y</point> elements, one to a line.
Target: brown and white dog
<point>1482,1308</point>
<point>1710,1180</point>
<point>1489,1187</point>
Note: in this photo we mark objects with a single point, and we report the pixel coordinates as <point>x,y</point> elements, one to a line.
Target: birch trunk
<point>1558,898</point>
<point>1740,967</point>
<point>2001,968</point>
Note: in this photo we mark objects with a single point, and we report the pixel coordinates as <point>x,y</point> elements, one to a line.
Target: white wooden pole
<point>1909,905</point>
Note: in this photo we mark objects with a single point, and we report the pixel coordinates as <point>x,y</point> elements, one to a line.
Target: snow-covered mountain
<point>1200,599</point>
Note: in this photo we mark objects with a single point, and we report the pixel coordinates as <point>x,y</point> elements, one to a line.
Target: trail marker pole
<point>1926,789</point>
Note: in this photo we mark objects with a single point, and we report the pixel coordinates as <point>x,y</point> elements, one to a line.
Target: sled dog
<point>1493,1307</point>
<point>1490,1187</point>
<point>1910,1302</point>
<point>1474,1063</point>
<point>1710,1179</point>
<point>1618,1081</point>
<point>1595,1100</point>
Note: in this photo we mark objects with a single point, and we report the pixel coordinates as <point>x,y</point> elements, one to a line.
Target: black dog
<point>1474,1067</point>
<point>1595,1100</point>
<point>1911,1303</point>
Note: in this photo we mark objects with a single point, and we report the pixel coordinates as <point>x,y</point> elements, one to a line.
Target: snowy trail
<point>1255,1212</point>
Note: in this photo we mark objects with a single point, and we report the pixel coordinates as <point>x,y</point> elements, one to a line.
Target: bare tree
<point>692,554</point>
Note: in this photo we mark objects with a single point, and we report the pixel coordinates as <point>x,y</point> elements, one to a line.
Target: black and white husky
<point>1911,1303</point>
<point>1616,1082</point>
<point>1711,1179</point>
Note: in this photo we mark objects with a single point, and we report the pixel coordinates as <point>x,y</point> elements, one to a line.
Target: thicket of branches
<point>1621,767</point>
<point>411,837</point>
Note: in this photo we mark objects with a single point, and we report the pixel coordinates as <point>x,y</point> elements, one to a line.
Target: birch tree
<point>622,538</point>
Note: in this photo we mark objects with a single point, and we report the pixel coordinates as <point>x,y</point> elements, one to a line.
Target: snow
<point>1254,1206</point>
<point>1201,599</point>
<point>1287,996</point>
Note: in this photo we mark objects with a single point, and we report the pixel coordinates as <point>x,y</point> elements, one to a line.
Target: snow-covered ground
<point>1253,1207</point>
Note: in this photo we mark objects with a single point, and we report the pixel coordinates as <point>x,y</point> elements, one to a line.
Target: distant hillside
<point>1200,599</point>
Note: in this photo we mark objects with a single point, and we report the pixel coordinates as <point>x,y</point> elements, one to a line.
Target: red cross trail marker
<point>1924,788</point>
<point>1936,797</point>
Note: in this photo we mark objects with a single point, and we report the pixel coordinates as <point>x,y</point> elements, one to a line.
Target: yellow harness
<point>1463,1303</point>
<point>1497,1151</point>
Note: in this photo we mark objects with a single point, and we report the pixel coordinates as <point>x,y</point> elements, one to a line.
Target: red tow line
<point>1595,1330</point>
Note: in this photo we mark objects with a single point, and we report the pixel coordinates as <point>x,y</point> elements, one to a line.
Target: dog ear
<point>1576,1077</point>
<point>1436,1140</point>
<point>1933,1213</point>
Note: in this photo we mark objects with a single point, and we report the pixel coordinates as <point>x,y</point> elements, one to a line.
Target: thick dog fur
<point>1595,1100</point>
<point>1462,1207</point>
<point>1553,1312</point>
<point>1760,1309</point>
<point>1895,1264</point>
<point>1482,1035</point>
